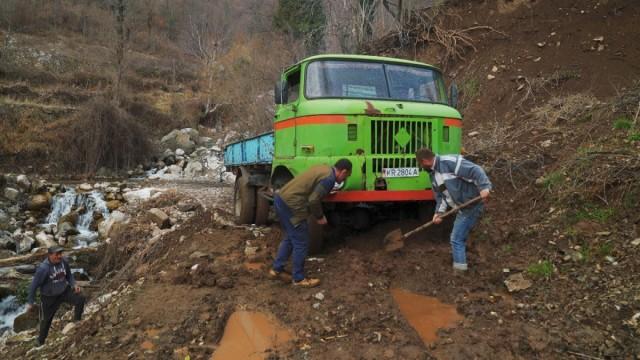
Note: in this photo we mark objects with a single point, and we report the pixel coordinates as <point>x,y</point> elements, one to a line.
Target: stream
<point>62,204</point>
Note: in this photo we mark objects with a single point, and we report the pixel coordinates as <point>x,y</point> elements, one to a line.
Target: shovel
<point>395,239</point>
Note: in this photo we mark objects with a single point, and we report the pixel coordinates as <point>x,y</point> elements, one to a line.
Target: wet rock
<point>39,202</point>
<point>113,204</point>
<point>225,282</point>
<point>6,240</point>
<point>26,269</point>
<point>85,187</point>
<point>11,194</point>
<point>5,220</point>
<point>66,229</point>
<point>23,183</point>
<point>71,218</point>
<point>28,320</point>
<point>24,243</point>
<point>159,217</point>
<point>45,240</point>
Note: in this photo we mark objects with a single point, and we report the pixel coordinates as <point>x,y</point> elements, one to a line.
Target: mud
<point>426,314</point>
<point>251,335</point>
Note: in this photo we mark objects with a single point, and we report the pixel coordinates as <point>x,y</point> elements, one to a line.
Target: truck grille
<point>399,137</point>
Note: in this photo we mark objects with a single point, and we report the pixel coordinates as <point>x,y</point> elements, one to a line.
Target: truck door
<point>284,122</point>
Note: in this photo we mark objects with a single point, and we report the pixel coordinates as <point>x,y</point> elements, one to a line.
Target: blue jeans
<point>295,241</point>
<point>466,219</point>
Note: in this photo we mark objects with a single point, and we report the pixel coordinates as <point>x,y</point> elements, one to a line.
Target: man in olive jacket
<point>296,201</point>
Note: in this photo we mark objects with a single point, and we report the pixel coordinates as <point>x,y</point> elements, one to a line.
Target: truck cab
<point>374,111</point>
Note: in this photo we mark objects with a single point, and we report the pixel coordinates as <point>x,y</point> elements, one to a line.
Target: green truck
<point>375,111</point>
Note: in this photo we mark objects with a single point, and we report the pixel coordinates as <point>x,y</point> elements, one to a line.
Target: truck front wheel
<point>244,201</point>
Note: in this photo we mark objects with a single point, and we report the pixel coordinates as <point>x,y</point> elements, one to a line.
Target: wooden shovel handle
<point>454,210</point>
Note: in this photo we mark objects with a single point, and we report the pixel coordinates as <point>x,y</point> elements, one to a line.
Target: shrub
<point>542,269</point>
<point>622,124</point>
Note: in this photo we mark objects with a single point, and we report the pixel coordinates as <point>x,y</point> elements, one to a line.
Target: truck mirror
<point>281,92</point>
<point>453,95</point>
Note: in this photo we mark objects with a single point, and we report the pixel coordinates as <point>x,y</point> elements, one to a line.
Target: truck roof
<point>361,57</point>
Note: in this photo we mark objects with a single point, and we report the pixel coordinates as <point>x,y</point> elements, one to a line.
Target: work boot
<point>307,282</point>
<point>280,275</point>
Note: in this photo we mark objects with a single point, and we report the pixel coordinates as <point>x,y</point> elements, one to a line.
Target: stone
<point>636,242</point>
<point>85,187</point>
<point>113,204</point>
<point>206,142</point>
<point>67,229</point>
<point>71,218</point>
<point>28,320</point>
<point>139,195</point>
<point>44,240</point>
<point>24,243</point>
<point>319,296</point>
<point>193,169</point>
<point>474,134</point>
<point>6,240</point>
<point>23,182</point>
<point>490,77</point>
<point>11,194</point>
<point>186,206</point>
<point>5,220</point>
<point>67,328</point>
<point>517,282</point>
<point>159,217</point>
<point>494,69</point>
<point>116,217</point>
<point>179,152</point>
<point>174,170</point>
<point>39,202</point>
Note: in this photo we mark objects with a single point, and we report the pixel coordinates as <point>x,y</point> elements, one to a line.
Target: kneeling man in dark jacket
<point>57,285</point>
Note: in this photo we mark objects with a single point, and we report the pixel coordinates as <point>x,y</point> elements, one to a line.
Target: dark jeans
<point>51,304</point>
<point>295,242</point>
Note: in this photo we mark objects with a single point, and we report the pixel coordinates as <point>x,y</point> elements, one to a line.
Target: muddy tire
<point>244,201</point>
<point>262,209</point>
<point>316,236</point>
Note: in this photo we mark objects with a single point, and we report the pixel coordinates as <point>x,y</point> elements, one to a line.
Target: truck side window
<point>293,87</point>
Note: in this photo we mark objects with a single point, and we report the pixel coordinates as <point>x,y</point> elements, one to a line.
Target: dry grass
<point>576,107</point>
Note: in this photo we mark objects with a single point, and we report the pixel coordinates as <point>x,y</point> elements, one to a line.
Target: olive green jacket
<point>304,193</point>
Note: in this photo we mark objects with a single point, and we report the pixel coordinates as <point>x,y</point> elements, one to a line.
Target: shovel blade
<point>394,240</point>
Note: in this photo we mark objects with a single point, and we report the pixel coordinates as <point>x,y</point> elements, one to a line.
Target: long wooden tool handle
<point>455,209</point>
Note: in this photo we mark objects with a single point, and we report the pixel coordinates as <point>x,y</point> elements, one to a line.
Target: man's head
<point>425,158</point>
<point>343,170</point>
<point>54,254</point>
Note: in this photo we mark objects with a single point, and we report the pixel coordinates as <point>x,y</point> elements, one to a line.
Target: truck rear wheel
<point>244,201</point>
<point>316,236</point>
<point>262,209</point>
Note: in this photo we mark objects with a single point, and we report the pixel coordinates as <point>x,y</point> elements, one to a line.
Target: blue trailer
<point>257,150</point>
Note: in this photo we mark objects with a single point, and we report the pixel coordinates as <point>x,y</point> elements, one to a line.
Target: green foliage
<point>22,293</point>
<point>553,180</point>
<point>622,124</point>
<point>593,212</point>
<point>634,137</point>
<point>605,249</point>
<point>507,248</point>
<point>631,198</point>
<point>304,19</point>
<point>542,269</point>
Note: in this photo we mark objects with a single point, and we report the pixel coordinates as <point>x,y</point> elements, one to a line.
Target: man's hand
<point>485,195</point>
<point>322,221</point>
<point>436,219</point>
<point>76,289</point>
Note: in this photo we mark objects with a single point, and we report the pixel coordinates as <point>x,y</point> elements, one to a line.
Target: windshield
<point>367,80</point>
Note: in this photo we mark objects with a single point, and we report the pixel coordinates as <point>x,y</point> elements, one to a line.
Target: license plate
<point>399,172</point>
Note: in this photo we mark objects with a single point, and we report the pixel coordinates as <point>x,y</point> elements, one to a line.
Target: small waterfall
<point>71,200</point>
<point>9,311</point>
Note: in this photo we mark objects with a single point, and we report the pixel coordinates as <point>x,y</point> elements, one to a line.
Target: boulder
<point>11,194</point>
<point>66,229</point>
<point>139,195</point>
<point>23,182</point>
<point>39,202</point>
<point>28,320</point>
<point>184,142</point>
<point>193,169</point>
<point>116,217</point>
<point>5,220</point>
<point>206,142</point>
<point>71,218</point>
<point>194,135</point>
<point>24,243</point>
<point>113,205</point>
<point>174,170</point>
<point>159,217</point>
<point>4,254</point>
<point>45,240</point>
<point>6,240</point>
<point>85,187</point>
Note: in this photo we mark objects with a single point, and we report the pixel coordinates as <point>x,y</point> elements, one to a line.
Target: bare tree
<point>119,8</point>
<point>207,34</point>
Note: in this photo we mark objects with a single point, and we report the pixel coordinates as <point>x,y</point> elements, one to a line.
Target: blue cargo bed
<point>257,150</point>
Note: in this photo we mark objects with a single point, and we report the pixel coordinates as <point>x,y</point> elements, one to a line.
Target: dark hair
<point>343,164</point>
<point>424,153</point>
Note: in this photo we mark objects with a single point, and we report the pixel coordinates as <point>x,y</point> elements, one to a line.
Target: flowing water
<point>248,335</point>
<point>62,204</point>
<point>425,314</point>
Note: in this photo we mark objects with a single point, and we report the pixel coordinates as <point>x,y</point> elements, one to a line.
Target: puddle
<point>248,335</point>
<point>425,314</point>
<point>253,266</point>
